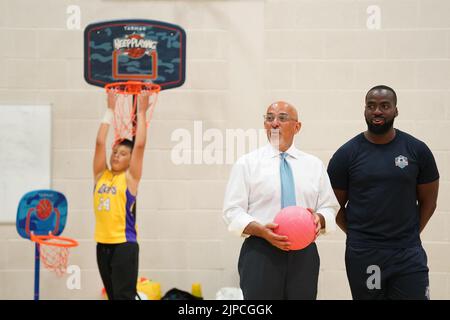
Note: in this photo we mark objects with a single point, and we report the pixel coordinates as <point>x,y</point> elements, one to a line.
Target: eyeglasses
<point>282,117</point>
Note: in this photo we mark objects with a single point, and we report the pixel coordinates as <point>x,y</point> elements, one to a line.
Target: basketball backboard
<point>134,50</point>
<point>41,212</point>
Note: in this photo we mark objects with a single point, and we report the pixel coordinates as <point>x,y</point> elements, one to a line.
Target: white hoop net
<point>124,122</point>
<point>125,119</point>
<point>54,253</point>
<point>54,258</point>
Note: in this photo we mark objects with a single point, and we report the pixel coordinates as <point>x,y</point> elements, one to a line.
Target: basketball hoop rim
<point>132,87</point>
<point>65,242</point>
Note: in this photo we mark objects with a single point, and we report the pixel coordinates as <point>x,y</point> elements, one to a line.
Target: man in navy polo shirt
<point>386,182</point>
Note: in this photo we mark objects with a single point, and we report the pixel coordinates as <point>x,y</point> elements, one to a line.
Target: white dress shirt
<point>253,192</point>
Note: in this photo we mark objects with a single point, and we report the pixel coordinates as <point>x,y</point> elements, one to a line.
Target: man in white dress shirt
<point>268,269</point>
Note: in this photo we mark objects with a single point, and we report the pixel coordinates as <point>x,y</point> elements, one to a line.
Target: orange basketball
<point>44,209</point>
<point>135,52</point>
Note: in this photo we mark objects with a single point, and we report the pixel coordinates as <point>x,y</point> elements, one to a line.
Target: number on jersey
<point>104,204</point>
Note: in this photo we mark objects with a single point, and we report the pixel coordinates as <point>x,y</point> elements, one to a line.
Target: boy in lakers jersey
<point>115,203</point>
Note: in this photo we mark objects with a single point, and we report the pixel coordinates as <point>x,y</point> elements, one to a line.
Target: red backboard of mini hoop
<point>135,50</point>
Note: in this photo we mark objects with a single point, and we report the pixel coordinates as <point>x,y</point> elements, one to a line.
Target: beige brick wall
<point>242,55</point>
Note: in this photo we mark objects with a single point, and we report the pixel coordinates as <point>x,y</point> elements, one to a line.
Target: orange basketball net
<point>124,121</point>
<point>54,251</point>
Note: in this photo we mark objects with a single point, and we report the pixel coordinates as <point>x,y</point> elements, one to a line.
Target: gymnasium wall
<point>322,56</point>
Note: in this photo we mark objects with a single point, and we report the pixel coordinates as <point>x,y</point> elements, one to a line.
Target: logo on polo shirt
<point>401,161</point>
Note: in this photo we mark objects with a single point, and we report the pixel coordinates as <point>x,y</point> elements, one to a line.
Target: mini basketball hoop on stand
<point>41,218</point>
<point>129,57</point>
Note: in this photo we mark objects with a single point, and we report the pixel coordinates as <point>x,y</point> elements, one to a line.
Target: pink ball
<point>297,224</point>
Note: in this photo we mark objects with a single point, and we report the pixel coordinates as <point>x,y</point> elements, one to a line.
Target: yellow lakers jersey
<point>114,207</point>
